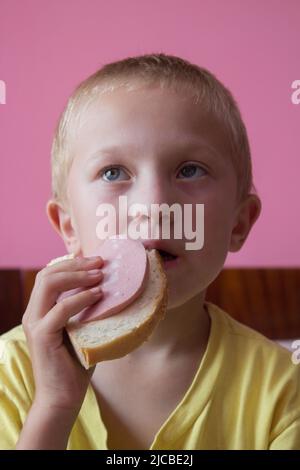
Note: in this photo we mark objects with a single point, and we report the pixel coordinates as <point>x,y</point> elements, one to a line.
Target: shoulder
<point>260,369</point>
<point>15,365</point>
<point>16,385</point>
<point>13,343</point>
<point>249,342</point>
<point>15,334</point>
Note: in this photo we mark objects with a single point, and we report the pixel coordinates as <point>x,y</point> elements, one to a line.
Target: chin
<point>177,298</point>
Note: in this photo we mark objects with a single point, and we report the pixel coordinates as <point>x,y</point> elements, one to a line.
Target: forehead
<point>148,117</point>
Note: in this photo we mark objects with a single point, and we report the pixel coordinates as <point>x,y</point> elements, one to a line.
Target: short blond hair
<point>167,71</point>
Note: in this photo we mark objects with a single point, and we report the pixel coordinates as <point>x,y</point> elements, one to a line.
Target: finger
<point>59,315</point>
<point>54,284</point>
<point>75,264</point>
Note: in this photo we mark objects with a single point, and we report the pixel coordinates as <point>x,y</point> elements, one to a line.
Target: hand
<point>60,380</point>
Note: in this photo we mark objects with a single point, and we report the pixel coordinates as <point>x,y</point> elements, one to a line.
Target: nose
<point>153,189</point>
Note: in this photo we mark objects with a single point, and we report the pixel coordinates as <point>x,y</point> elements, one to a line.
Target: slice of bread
<point>117,335</point>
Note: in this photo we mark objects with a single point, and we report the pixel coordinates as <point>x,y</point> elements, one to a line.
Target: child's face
<point>152,128</point>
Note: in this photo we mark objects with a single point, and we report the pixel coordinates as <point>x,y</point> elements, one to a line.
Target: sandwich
<point>134,301</point>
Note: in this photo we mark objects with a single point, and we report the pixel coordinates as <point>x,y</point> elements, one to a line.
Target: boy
<point>202,380</point>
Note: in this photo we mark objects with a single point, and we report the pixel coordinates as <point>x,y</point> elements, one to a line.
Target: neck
<point>182,330</point>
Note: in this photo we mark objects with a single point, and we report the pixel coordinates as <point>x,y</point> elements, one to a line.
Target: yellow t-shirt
<point>244,395</point>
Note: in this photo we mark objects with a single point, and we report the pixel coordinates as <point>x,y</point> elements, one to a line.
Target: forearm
<point>46,428</point>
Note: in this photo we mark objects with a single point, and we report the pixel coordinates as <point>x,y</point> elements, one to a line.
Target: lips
<point>166,255</point>
<point>163,249</point>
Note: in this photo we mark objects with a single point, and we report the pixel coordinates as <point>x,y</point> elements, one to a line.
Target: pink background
<point>47,47</point>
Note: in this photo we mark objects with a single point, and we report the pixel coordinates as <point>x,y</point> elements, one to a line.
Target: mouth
<point>170,260</point>
<point>166,256</point>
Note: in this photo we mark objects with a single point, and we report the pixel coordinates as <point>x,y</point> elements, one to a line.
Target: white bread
<point>115,336</point>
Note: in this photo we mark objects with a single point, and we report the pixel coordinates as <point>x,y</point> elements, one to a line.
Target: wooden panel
<point>28,278</point>
<point>267,300</point>
<point>10,299</point>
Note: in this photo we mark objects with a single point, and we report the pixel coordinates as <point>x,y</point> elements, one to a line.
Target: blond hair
<point>167,71</point>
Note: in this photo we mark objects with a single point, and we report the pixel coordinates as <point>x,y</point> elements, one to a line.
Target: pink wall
<point>48,47</point>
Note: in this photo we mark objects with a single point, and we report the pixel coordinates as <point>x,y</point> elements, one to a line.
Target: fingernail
<point>96,290</point>
<point>94,272</point>
<point>94,259</point>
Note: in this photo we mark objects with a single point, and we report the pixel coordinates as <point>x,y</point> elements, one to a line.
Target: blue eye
<point>189,171</point>
<point>115,173</point>
<point>112,174</point>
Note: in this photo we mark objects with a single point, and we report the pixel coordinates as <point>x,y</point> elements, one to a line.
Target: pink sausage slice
<point>125,271</point>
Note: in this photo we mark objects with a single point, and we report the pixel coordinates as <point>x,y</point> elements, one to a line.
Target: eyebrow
<point>178,148</point>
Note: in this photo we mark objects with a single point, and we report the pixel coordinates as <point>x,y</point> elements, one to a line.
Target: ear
<point>61,220</point>
<point>247,214</point>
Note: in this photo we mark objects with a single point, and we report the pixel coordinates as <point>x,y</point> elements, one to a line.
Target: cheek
<point>217,229</point>
<point>100,214</point>
<point>85,198</point>
<point>205,265</point>
<point>84,218</point>
<point>218,218</point>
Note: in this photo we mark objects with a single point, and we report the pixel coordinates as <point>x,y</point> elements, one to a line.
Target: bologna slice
<point>125,270</point>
